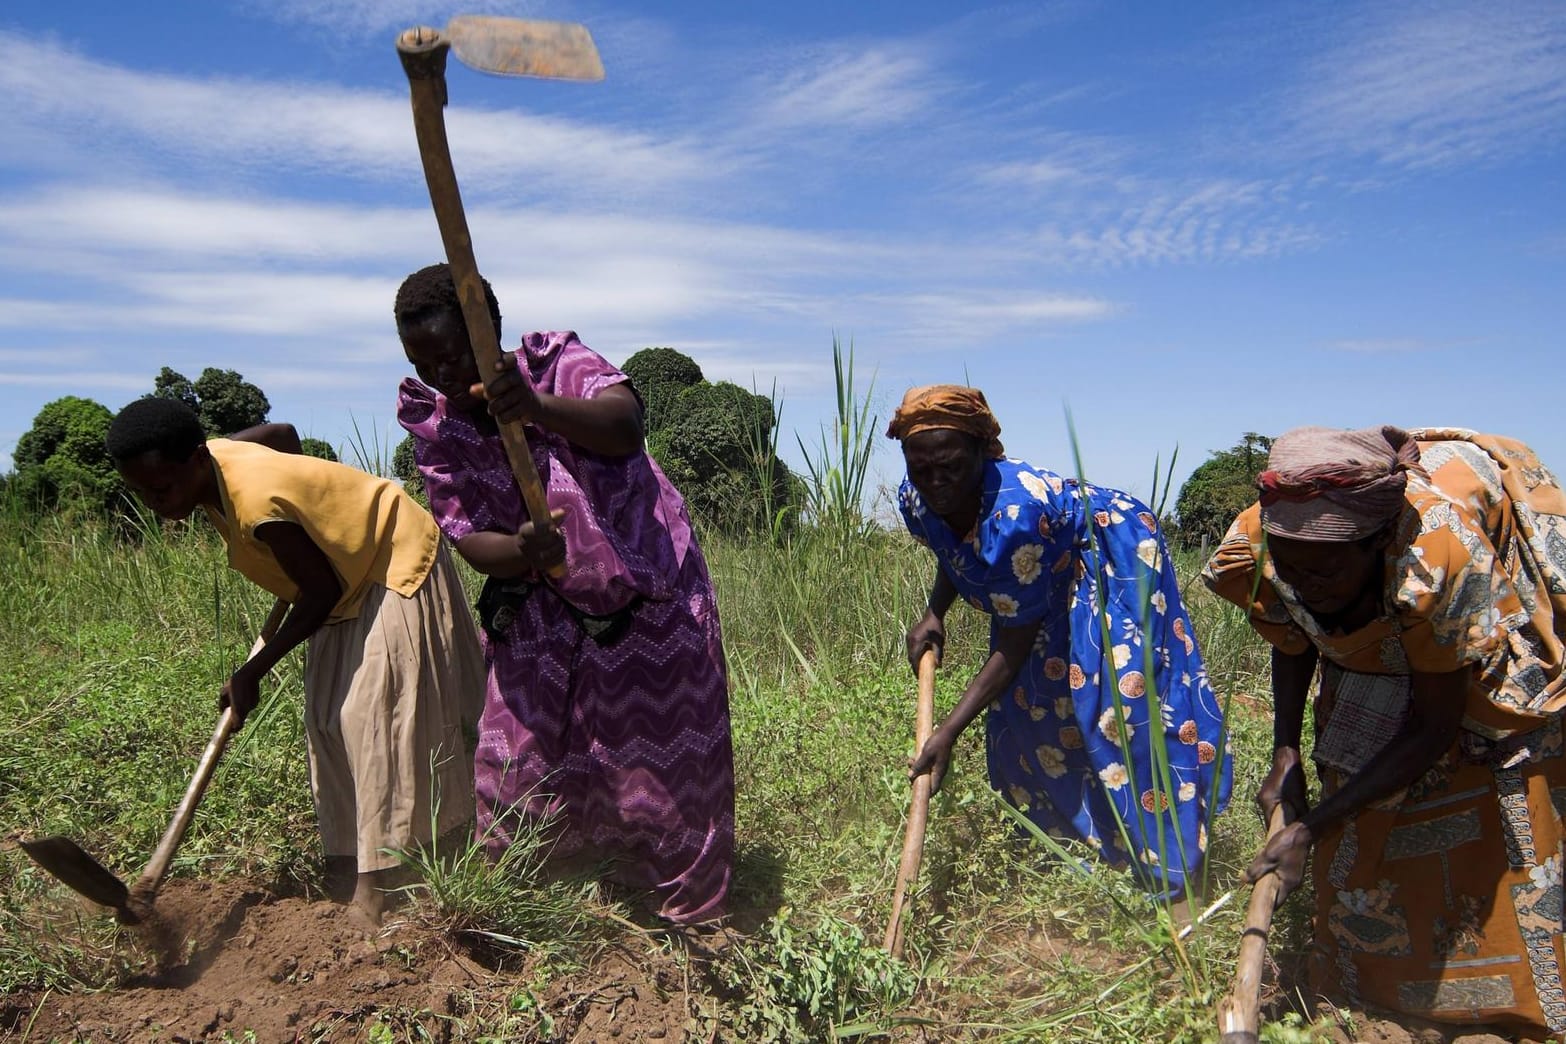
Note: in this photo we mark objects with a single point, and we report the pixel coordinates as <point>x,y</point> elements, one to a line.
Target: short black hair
<point>154,425</point>
<point>431,290</point>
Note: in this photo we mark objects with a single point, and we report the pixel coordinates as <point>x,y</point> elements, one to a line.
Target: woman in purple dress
<point>607,698</point>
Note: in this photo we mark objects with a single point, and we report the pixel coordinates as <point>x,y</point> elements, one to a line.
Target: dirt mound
<point>227,961</point>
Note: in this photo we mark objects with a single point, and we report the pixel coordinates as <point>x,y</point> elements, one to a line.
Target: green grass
<point>112,652</point>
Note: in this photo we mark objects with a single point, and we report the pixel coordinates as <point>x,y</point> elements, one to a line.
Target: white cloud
<point>299,288</point>
<point>362,17</point>
<point>1143,223</point>
<point>851,87</point>
<point>256,127</point>
<point>67,382</point>
<point>1427,85</point>
<point>1395,345</point>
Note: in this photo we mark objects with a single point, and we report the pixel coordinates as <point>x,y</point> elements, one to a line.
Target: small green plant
<point>1291,1028</point>
<point>805,984</point>
<point>509,900</point>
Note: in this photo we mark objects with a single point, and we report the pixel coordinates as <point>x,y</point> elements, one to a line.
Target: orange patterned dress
<point>1443,900</point>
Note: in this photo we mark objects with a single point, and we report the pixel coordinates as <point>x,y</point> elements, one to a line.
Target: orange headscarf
<point>947,406</point>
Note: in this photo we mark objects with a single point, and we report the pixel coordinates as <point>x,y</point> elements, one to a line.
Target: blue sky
<point>1184,221</point>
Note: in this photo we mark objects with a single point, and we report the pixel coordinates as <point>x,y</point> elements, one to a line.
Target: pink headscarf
<point>1326,484</point>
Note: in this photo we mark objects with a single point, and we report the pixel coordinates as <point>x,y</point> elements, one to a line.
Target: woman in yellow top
<point>393,672</point>
<point>1425,573</point>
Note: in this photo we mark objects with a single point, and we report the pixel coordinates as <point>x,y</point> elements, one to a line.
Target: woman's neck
<point>1363,610</point>
<point>962,522</point>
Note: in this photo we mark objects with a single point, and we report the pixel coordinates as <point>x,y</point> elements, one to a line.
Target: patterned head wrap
<point>947,406</point>
<point>1326,484</point>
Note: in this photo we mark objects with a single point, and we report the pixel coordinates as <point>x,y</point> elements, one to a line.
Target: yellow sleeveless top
<point>371,531</point>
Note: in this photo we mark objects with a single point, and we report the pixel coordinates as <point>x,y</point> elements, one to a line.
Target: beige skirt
<point>391,699</point>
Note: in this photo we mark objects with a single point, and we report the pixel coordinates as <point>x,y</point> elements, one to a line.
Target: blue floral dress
<point>1072,744</point>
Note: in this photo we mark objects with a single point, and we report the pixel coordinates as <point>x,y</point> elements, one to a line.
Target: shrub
<point>61,459</point>
<point>318,448</point>
<point>659,376</point>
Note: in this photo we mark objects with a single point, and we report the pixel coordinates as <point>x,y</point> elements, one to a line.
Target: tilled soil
<point>229,961</point>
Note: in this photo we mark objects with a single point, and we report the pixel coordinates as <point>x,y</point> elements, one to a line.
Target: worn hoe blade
<point>68,862</point>
<point>519,47</point>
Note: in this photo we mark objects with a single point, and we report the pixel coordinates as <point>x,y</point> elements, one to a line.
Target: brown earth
<point>231,961</point>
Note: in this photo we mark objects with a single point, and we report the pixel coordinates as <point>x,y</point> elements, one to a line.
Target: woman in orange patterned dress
<point>1425,573</point>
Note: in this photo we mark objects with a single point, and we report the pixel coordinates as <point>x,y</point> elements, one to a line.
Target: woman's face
<point>947,468</point>
<point>171,488</point>
<point>1329,576</point>
<point>437,346</point>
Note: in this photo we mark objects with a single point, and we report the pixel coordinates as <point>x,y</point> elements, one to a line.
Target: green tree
<point>317,448</point>
<point>721,440</point>
<point>171,385</point>
<point>61,459</point>
<point>660,375</point>
<point>1220,488</point>
<point>223,399</point>
<point>405,468</point>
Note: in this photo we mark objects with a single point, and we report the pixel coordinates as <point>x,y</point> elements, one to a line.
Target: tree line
<point>716,441</point>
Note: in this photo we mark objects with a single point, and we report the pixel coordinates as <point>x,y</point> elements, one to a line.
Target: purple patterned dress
<point>628,740</point>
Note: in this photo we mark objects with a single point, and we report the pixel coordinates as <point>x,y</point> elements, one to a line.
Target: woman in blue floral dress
<point>1092,657</point>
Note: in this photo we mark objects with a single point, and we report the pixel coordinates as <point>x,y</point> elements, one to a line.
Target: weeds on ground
<point>817,980</point>
<point>510,901</point>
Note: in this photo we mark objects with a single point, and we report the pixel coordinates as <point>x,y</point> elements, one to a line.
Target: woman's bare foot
<point>374,893</point>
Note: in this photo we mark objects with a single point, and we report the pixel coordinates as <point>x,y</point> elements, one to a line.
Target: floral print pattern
<point>1053,552</point>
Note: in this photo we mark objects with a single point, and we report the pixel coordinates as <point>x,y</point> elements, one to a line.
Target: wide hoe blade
<point>70,864</point>
<point>520,47</point>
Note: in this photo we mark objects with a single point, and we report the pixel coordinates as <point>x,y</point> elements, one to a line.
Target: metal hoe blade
<point>68,862</point>
<point>518,47</point>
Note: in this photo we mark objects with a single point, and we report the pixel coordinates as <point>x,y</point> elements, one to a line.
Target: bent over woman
<point>1091,650</point>
<point>607,697</point>
<point>1425,573</point>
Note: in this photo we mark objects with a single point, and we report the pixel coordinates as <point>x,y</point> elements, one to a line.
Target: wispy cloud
<point>369,16</point>
<point>852,87</point>
<point>1144,221</point>
<point>241,126</point>
<point>1394,345</point>
<point>1429,85</point>
<point>289,274</point>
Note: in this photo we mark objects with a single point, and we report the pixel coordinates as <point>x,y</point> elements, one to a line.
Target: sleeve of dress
<point>1231,574</point>
<point>582,373</point>
<point>1454,602</point>
<point>911,510</point>
<point>1029,543</point>
<point>450,487</point>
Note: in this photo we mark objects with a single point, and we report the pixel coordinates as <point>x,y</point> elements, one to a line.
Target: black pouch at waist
<point>499,601</point>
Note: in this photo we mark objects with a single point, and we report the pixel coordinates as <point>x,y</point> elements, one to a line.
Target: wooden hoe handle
<point>152,877</point>
<point>423,53</point>
<point>1239,1014</point>
<point>918,812</point>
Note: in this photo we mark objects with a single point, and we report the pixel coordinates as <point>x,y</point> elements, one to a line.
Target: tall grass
<point>112,649</point>
<point>840,465</point>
